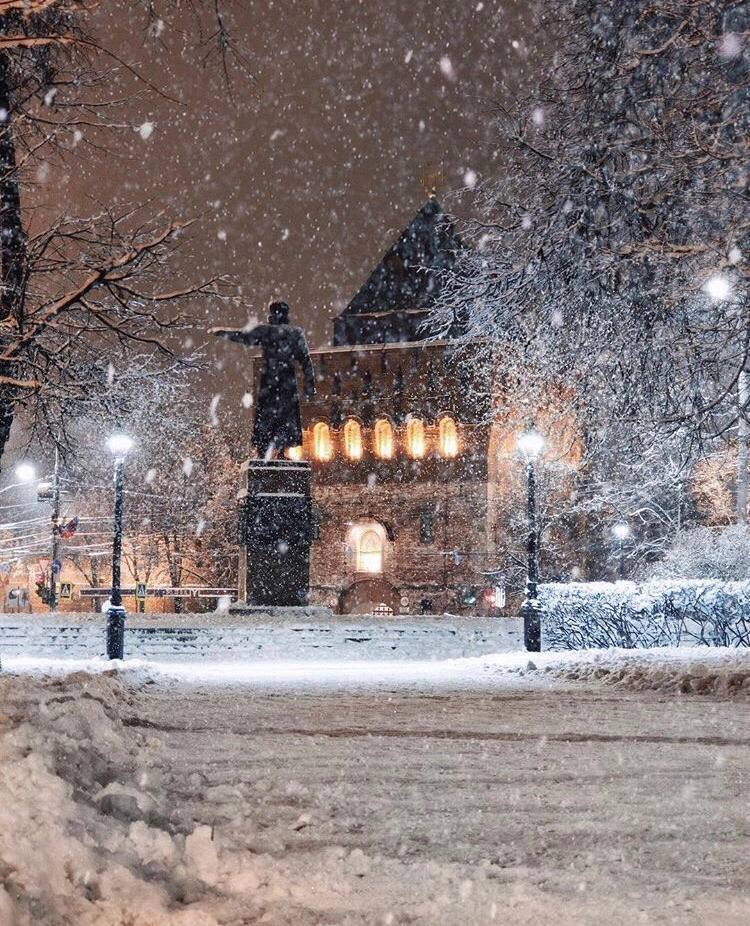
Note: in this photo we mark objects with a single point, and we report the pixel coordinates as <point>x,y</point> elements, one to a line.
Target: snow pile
<point>724,674</point>
<point>83,836</point>
<point>580,615</point>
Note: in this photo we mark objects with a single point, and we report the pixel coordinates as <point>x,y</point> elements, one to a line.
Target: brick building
<point>417,487</point>
<point>398,437</point>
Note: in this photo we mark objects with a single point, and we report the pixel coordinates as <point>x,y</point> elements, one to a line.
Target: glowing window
<point>353,440</point>
<point>322,443</point>
<point>384,439</point>
<point>415,438</point>
<point>448,434</point>
<point>370,552</point>
<point>293,453</point>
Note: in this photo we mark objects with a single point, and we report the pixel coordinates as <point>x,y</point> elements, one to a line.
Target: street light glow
<point>119,444</point>
<point>531,444</point>
<point>25,472</point>
<point>621,531</point>
<point>717,287</point>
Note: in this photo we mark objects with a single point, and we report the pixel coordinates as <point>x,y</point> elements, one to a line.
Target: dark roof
<point>405,278</point>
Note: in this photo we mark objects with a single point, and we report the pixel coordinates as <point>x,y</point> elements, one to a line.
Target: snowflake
<point>446,66</point>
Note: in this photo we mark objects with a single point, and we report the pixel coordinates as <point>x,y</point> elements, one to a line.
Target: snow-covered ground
<point>584,788</point>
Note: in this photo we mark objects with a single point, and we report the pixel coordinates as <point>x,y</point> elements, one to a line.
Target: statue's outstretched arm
<point>305,361</point>
<point>241,335</point>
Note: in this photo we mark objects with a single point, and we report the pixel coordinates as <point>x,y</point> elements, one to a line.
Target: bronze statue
<point>277,422</point>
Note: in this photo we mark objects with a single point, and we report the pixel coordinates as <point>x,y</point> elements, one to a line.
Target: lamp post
<point>55,565</point>
<point>25,472</point>
<point>531,445</point>
<point>621,532</point>
<point>119,445</point>
<point>720,288</point>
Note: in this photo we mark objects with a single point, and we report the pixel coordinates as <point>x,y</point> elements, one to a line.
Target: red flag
<point>68,529</point>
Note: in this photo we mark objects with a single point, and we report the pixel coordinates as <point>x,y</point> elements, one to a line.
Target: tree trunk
<point>743,444</point>
<point>96,603</point>
<point>13,255</point>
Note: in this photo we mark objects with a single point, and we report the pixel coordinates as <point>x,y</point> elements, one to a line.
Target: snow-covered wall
<point>351,637</point>
<point>672,612</point>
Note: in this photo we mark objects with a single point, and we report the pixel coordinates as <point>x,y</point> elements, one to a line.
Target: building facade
<point>398,436</point>
<point>418,490</point>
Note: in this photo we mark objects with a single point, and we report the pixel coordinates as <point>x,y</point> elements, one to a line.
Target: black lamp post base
<point>532,627</point>
<point>116,632</point>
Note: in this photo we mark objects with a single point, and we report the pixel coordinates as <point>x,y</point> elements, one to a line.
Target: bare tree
<point>77,291</point>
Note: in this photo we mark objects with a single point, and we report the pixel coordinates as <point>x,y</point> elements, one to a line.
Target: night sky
<point>303,172</point>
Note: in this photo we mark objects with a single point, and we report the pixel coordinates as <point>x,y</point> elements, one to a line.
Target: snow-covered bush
<point>708,553</point>
<point>658,613</point>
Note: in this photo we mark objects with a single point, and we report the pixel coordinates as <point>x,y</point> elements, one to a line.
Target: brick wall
<point>416,566</point>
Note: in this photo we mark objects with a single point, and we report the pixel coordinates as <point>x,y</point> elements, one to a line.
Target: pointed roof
<point>406,277</point>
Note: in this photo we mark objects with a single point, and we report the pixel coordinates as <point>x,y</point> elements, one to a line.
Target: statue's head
<point>278,313</point>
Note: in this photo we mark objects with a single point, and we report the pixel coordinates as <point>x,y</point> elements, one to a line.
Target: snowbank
<point>717,672</point>
<point>670,612</point>
<point>85,837</point>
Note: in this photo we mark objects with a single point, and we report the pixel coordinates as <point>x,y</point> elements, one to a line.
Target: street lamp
<point>718,287</point>
<point>621,532</point>
<point>118,444</point>
<point>25,472</point>
<point>531,445</point>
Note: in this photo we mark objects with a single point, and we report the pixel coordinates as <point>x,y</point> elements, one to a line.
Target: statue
<point>277,422</point>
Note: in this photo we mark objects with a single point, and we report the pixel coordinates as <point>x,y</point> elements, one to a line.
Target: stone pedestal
<point>276,530</point>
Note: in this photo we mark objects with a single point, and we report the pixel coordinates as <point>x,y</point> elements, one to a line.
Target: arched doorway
<point>369,596</point>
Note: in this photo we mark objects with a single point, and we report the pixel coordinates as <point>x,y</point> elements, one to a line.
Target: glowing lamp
<point>531,444</point>
<point>119,444</point>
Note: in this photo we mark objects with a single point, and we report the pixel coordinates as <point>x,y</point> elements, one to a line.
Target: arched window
<point>448,436</point>
<point>384,439</point>
<point>416,444</point>
<point>368,542</point>
<point>322,443</point>
<point>353,440</point>
<point>293,453</point>
<point>370,552</point>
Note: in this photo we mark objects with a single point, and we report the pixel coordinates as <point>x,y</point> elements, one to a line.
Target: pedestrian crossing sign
<point>66,589</point>
<point>140,590</point>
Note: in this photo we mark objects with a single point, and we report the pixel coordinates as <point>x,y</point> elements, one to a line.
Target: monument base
<point>276,530</point>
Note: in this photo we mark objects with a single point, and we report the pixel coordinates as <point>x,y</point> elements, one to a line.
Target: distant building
<point>405,447</point>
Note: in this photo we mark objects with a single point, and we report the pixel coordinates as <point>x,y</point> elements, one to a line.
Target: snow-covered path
<point>517,804</point>
<point>517,799</point>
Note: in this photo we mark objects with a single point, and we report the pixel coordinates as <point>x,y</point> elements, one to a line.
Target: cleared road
<point>512,806</point>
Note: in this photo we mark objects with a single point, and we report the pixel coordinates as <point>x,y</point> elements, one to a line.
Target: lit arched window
<point>384,439</point>
<point>293,453</point>
<point>353,440</point>
<point>322,443</point>
<point>448,434</point>
<point>370,552</point>
<point>415,439</point>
